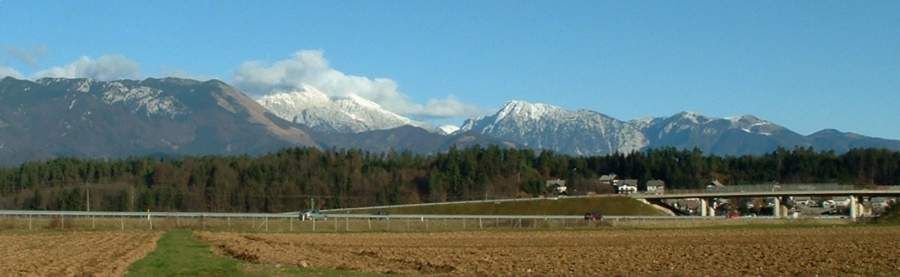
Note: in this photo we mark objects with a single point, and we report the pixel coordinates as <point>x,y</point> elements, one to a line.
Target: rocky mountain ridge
<point>55,117</point>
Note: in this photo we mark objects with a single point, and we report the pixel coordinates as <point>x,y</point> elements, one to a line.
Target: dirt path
<point>715,252</point>
<point>73,253</point>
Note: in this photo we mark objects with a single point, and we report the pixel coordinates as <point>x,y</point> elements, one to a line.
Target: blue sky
<point>807,65</point>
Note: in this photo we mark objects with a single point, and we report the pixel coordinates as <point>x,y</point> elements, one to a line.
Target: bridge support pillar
<point>776,209</point>
<point>704,207</point>
<point>854,207</point>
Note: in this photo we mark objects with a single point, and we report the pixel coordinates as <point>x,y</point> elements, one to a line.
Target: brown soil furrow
<point>714,252</point>
<point>73,253</point>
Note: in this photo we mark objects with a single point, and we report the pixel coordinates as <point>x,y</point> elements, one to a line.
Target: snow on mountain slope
<point>147,100</point>
<point>663,126</point>
<point>731,135</point>
<point>57,117</point>
<point>544,126</point>
<point>136,97</point>
<point>448,129</point>
<point>351,114</point>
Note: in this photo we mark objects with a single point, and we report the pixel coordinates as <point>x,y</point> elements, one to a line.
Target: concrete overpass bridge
<point>706,196</point>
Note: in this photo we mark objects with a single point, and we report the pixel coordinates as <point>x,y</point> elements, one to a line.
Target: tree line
<point>294,179</point>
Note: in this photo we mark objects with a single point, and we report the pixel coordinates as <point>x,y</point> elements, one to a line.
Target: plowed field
<point>714,252</point>
<point>73,254</point>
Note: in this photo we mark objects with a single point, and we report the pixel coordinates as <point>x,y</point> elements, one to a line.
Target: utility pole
<point>88,199</point>
<point>131,207</point>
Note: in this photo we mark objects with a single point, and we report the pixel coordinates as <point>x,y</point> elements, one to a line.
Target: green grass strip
<point>178,253</point>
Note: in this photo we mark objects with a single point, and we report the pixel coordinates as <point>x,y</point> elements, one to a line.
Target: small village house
<point>656,186</point>
<point>609,179</point>
<point>627,186</point>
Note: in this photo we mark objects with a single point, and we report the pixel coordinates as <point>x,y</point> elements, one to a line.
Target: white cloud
<point>104,68</point>
<point>449,107</point>
<point>8,71</point>
<point>309,67</point>
<point>28,56</point>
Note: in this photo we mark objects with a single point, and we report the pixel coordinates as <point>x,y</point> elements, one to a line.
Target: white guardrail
<point>358,216</point>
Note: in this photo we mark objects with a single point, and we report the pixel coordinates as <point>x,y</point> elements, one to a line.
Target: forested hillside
<point>288,179</point>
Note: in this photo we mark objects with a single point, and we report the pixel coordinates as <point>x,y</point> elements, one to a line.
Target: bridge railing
<point>782,187</point>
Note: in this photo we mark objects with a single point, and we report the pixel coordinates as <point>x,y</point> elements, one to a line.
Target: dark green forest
<point>289,179</point>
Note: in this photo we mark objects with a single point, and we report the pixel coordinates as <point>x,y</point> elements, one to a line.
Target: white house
<point>627,186</point>
<point>656,186</point>
<point>609,179</point>
<point>557,185</point>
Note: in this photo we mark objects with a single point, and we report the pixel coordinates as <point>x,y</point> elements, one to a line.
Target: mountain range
<point>56,117</point>
<point>586,132</point>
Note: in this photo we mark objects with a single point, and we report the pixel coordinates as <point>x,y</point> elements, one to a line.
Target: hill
<point>609,205</point>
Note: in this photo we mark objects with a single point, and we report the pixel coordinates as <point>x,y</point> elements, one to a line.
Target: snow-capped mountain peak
<point>341,114</point>
<point>364,102</point>
<point>752,124</point>
<point>550,127</point>
<point>744,118</point>
<point>693,117</point>
<point>525,110</point>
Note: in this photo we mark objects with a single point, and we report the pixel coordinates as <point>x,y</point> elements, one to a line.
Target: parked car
<point>310,214</point>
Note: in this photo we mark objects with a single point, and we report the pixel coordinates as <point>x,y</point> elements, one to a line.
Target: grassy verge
<point>178,253</point>
<point>562,206</point>
<point>890,216</point>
